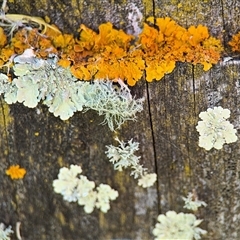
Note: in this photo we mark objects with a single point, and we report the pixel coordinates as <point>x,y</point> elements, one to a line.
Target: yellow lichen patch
<point>64,63</point>
<point>203,49</point>
<point>86,37</point>
<point>59,215</point>
<point>157,69</point>
<point>187,170</point>
<point>63,41</point>
<point>5,123</point>
<point>5,55</point>
<point>83,72</point>
<point>15,172</point>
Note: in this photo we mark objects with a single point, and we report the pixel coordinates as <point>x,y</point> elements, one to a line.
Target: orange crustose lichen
<point>113,54</point>
<point>15,172</point>
<point>235,42</point>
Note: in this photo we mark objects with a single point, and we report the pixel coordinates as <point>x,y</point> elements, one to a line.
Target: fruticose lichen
<point>123,157</point>
<point>192,202</point>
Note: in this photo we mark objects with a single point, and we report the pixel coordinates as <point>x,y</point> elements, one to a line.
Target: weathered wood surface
<point>42,144</point>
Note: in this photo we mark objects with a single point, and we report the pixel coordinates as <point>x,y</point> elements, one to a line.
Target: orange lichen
<point>64,63</point>
<point>235,42</point>
<point>166,43</point>
<point>15,172</point>
<point>157,69</point>
<point>197,35</point>
<point>203,49</point>
<point>113,54</point>
<point>107,55</point>
<point>24,39</point>
<point>3,38</point>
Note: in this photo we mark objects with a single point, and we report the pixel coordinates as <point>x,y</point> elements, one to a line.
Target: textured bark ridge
<point>41,143</point>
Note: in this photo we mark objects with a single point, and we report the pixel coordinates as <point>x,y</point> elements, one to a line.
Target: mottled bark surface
<point>42,144</point>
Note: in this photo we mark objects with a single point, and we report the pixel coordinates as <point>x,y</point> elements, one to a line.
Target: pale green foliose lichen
<point>8,89</point>
<point>5,232</point>
<point>178,226</point>
<point>75,187</point>
<point>44,80</point>
<point>104,194</point>
<point>214,129</point>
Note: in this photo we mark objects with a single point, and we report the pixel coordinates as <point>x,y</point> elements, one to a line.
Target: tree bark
<point>165,129</point>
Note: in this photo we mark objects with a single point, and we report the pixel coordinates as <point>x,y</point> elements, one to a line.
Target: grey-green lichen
<point>44,80</point>
<point>115,103</point>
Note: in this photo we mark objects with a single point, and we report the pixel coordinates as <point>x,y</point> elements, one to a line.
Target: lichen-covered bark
<point>181,164</point>
<point>42,144</point>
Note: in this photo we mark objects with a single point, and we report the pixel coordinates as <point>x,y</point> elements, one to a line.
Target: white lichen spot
<point>147,180</point>
<point>67,183</point>
<point>104,194</point>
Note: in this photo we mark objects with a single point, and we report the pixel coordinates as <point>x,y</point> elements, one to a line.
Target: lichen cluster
<point>5,232</point>
<point>123,157</point>
<point>71,74</point>
<point>235,42</point>
<point>178,226</point>
<point>75,187</point>
<point>38,80</point>
<point>181,225</point>
<point>113,54</point>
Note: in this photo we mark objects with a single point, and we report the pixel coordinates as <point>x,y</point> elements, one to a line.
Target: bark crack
<point>223,24</point>
<point>154,146</point>
<point>194,91</point>
<point>153,4</point>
